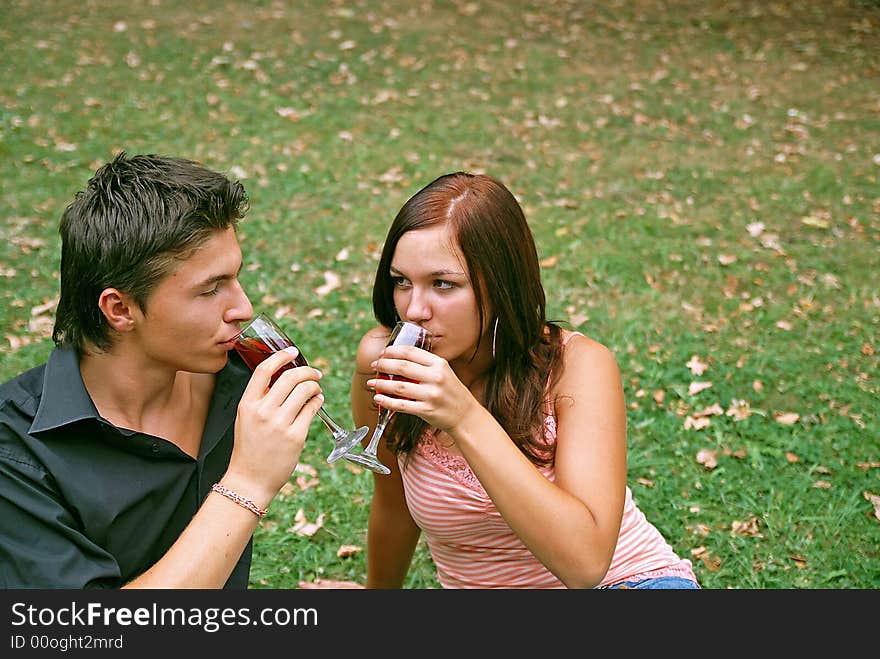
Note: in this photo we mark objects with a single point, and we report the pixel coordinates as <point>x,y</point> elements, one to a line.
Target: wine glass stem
<point>384,417</point>
<point>334,428</point>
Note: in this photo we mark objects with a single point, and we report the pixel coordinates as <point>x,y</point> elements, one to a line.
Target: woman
<point>510,443</point>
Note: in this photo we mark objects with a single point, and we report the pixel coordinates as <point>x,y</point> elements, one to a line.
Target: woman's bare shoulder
<point>585,355</point>
<point>371,345</point>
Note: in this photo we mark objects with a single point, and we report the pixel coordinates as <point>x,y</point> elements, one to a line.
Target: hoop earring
<point>494,336</point>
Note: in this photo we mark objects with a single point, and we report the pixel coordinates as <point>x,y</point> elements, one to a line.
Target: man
<point>142,453</point>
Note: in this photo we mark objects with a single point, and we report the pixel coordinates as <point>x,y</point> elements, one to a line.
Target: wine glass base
<point>346,442</point>
<point>368,461</point>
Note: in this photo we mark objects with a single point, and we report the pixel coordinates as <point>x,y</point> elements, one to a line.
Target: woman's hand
<point>430,391</point>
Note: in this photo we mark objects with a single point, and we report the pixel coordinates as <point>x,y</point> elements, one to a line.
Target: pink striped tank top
<point>473,547</point>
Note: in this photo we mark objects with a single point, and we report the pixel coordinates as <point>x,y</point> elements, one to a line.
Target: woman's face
<point>433,289</point>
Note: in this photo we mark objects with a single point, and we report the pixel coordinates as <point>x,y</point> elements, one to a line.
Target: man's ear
<point>118,308</point>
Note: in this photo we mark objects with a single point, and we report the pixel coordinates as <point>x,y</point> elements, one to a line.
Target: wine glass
<point>261,338</point>
<point>404,334</point>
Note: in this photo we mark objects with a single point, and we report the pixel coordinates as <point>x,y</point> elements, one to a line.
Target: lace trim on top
<point>456,466</point>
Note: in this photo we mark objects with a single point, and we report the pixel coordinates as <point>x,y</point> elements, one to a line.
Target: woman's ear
<point>118,309</point>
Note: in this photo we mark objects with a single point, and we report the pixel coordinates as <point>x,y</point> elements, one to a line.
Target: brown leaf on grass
<point>345,551</point>
<point>874,499</point>
<point>550,262</point>
<point>41,326</point>
<point>331,283</point>
<point>697,423</point>
<point>699,529</point>
<point>697,387</point>
<point>47,306</point>
<point>786,418</point>
<point>867,465</point>
<point>659,396</point>
<point>712,563</point>
<point>791,457</point>
<point>799,561</point>
<point>302,526</point>
<point>647,482</point>
<point>824,485</point>
<point>747,528</point>
<point>696,365</point>
<point>708,458</point>
<point>329,584</point>
<point>713,410</point>
<point>739,410</point>
<point>307,476</point>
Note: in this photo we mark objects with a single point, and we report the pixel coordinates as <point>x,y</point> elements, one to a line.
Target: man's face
<point>196,310</point>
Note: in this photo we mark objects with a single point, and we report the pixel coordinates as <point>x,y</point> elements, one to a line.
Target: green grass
<point>643,139</point>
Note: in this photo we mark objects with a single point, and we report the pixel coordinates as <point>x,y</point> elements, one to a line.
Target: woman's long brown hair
<point>502,262</point>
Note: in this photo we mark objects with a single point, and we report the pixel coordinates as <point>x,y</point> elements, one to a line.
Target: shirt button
<point>155,447</point>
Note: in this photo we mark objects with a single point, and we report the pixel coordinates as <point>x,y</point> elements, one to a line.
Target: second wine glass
<point>404,334</point>
<point>260,339</point>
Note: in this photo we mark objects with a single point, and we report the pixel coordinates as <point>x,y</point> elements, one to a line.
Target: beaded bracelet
<point>244,502</point>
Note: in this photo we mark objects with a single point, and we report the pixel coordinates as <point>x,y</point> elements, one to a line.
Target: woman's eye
<point>443,284</point>
<point>400,281</point>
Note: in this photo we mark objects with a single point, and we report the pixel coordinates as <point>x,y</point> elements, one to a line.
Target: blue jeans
<point>673,583</point>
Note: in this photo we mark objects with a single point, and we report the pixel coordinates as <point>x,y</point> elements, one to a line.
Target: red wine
<point>254,351</point>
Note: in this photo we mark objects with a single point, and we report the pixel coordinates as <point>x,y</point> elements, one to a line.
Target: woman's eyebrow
<point>435,273</point>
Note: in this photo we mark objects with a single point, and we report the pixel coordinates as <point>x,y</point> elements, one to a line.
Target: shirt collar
<point>64,398</point>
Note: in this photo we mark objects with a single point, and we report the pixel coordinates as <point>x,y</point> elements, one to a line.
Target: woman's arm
<point>392,534</point>
<point>571,525</point>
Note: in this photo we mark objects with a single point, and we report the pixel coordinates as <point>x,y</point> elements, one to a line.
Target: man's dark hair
<point>135,220</point>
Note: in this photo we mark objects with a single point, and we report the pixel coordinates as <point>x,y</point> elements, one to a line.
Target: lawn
<point>701,178</point>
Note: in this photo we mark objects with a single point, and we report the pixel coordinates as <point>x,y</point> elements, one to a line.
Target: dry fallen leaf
<point>712,563</point>
<point>304,527</point>
<point>328,584</point>
<point>697,366</point>
<point>713,410</point>
<point>697,387</point>
<point>739,410</point>
<point>697,423</point>
<point>875,501</point>
<point>647,482</point>
<point>345,551</point>
<point>747,528</point>
<point>822,484</point>
<point>708,458</point>
<point>786,418</point>
<point>331,283</point>
<point>699,529</point>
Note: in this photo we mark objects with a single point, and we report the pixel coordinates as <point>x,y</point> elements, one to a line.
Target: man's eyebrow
<point>214,279</point>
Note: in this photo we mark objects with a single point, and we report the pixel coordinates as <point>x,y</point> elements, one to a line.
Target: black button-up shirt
<point>84,504</point>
